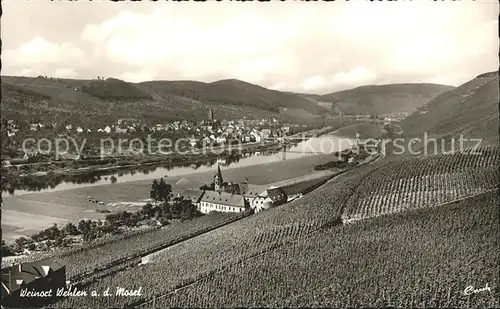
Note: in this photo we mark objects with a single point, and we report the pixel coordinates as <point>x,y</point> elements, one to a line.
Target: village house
<point>222,161</point>
<point>265,133</point>
<point>119,130</point>
<point>159,127</point>
<point>221,139</point>
<point>260,202</point>
<point>194,196</point>
<point>251,192</point>
<point>34,126</point>
<point>30,153</point>
<point>42,275</point>
<point>206,140</point>
<point>222,202</point>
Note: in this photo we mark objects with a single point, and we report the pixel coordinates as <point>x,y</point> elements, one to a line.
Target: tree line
<point>165,208</point>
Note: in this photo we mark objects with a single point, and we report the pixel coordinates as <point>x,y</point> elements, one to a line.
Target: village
<point>209,132</point>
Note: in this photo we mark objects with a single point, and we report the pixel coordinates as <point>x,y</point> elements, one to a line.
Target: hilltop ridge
<point>470,110</point>
<point>184,99</point>
<point>381,99</point>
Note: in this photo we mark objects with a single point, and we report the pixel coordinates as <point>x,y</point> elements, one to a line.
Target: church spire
<point>218,181</point>
<point>211,114</point>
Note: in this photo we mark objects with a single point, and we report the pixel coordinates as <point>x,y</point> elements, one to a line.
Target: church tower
<point>218,181</point>
<point>357,141</point>
<point>211,115</point>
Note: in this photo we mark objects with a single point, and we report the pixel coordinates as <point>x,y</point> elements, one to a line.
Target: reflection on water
<point>53,182</point>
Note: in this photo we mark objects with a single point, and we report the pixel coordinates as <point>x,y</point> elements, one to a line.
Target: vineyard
<point>300,254</point>
<point>425,182</point>
<point>108,255</point>
<point>209,253</point>
<point>424,258</point>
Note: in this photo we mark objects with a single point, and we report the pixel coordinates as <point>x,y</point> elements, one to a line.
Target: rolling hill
<point>102,100</point>
<point>470,110</point>
<point>234,92</point>
<point>392,98</point>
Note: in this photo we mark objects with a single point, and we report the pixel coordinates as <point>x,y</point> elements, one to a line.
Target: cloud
<point>314,83</point>
<point>39,56</point>
<point>136,77</point>
<point>320,48</point>
<point>39,50</point>
<point>66,73</point>
<point>355,77</point>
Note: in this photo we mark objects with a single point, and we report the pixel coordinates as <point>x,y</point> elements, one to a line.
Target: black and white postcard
<point>250,154</point>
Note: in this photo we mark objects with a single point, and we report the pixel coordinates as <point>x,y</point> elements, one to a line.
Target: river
<point>319,145</point>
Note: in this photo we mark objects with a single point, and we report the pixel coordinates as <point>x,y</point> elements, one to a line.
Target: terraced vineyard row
<point>425,182</point>
<point>423,258</point>
<point>232,244</point>
<point>84,262</point>
<point>200,259</point>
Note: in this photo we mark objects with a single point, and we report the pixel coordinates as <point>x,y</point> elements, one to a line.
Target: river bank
<point>115,163</point>
<point>72,205</point>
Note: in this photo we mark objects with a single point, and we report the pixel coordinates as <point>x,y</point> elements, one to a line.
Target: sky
<point>291,46</point>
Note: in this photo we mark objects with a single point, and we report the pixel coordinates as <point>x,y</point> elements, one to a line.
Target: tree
<point>84,226</point>
<point>153,194</point>
<point>6,249</point>
<point>160,191</point>
<point>148,210</point>
<point>21,242</point>
<point>165,190</point>
<point>389,129</point>
<point>52,233</point>
<point>189,210</point>
<point>71,229</point>
<point>210,187</point>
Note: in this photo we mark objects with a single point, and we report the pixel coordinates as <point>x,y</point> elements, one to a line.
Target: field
<point>110,252</point>
<point>17,223</point>
<point>198,257</point>
<point>425,182</point>
<point>299,253</point>
<point>435,253</point>
<point>73,204</point>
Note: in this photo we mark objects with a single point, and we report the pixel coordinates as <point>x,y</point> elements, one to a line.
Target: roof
<point>13,277</point>
<point>276,194</point>
<point>255,190</point>
<point>192,194</point>
<point>223,198</point>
